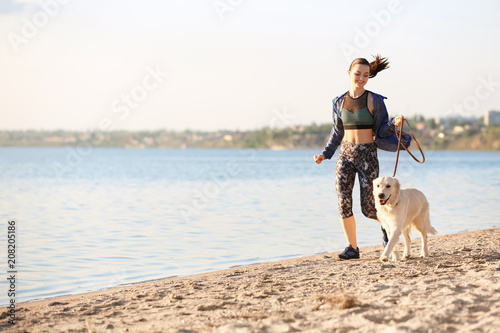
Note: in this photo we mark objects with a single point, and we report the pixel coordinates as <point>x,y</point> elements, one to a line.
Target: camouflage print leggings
<point>360,158</point>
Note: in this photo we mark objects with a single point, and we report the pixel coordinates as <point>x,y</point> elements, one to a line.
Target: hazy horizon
<point>237,65</point>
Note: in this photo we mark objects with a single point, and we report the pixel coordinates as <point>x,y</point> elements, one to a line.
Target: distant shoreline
<point>455,137</point>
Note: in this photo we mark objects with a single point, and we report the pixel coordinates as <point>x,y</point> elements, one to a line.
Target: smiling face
<point>359,75</point>
<point>386,190</point>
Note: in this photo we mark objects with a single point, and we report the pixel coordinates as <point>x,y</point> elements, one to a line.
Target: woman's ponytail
<point>377,65</point>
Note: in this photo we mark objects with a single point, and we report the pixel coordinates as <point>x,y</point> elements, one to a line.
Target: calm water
<point>97,218</point>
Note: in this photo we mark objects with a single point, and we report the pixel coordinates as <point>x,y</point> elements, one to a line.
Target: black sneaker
<point>349,253</point>
<point>385,239</point>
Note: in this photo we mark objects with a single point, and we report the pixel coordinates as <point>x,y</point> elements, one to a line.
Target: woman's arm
<point>383,127</point>
<point>337,132</point>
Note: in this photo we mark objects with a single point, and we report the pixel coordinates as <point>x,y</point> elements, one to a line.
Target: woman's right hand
<point>319,158</point>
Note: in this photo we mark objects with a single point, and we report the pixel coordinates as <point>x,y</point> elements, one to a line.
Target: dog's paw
<point>383,258</point>
<point>395,259</point>
<point>407,256</point>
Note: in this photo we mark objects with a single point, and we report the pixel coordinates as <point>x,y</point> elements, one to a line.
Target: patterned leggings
<point>360,158</point>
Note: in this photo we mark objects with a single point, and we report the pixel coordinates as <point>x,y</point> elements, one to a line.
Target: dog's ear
<point>395,193</point>
<point>397,185</point>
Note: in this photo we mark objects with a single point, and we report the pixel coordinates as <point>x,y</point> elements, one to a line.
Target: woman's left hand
<point>398,121</point>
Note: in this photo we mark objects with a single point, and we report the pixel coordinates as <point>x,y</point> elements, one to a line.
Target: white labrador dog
<point>398,210</point>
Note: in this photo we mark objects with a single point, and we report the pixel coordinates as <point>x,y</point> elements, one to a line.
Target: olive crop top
<point>355,113</point>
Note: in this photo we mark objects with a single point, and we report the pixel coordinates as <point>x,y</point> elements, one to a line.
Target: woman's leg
<point>349,226</point>
<point>344,180</point>
<point>367,173</point>
<point>368,169</point>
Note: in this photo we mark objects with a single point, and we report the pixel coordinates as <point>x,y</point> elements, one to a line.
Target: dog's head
<point>386,190</point>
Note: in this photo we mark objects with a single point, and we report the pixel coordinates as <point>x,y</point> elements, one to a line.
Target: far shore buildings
<point>491,118</point>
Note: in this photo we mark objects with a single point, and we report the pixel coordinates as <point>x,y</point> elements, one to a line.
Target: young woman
<point>360,120</point>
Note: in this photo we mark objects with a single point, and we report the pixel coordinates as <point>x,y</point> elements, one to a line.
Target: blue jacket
<point>383,129</point>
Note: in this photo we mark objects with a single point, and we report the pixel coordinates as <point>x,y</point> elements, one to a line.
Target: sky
<point>238,64</point>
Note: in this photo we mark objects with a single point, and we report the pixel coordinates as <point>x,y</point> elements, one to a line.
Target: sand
<point>457,289</point>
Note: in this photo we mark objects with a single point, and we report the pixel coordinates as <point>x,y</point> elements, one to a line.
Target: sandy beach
<point>457,289</point>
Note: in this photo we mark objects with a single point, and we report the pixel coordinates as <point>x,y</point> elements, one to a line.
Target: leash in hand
<point>399,134</point>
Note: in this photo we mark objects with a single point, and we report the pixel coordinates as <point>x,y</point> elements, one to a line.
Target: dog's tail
<point>433,231</point>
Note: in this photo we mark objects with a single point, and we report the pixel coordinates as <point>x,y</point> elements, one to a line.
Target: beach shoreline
<point>456,289</point>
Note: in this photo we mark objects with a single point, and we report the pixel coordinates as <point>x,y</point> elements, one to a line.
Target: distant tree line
<point>436,134</point>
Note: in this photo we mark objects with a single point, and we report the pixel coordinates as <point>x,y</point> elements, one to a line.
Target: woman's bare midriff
<point>359,136</point>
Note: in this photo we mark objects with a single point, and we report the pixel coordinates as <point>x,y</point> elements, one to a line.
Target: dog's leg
<point>393,239</point>
<point>395,254</point>
<point>406,235</point>
<point>425,250</point>
<point>423,227</point>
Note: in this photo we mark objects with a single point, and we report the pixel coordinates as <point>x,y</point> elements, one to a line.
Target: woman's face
<point>359,74</point>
